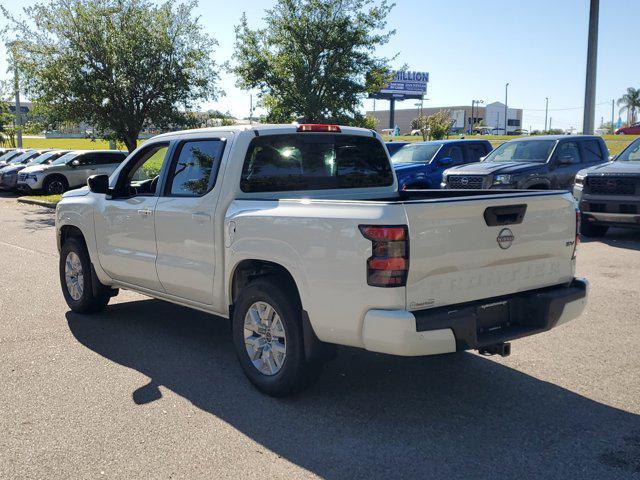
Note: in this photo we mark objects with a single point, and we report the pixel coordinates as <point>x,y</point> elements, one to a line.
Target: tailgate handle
<point>504,215</point>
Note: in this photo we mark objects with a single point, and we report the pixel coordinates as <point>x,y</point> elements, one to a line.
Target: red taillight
<point>577,240</point>
<point>318,127</point>
<point>388,265</point>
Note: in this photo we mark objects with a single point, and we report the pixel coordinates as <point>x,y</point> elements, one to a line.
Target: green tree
<point>314,59</point>
<point>433,127</point>
<point>118,65</point>
<point>630,103</point>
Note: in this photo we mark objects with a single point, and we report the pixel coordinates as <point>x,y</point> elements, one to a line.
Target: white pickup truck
<point>298,234</point>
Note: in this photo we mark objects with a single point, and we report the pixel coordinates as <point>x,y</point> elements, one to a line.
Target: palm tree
<point>630,102</point>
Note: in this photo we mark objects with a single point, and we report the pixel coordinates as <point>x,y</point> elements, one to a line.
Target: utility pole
<point>546,112</point>
<point>251,109</point>
<point>471,122</point>
<point>613,129</point>
<point>592,60</point>
<point>550,120</point>
<point>506,93</point>
<point>16,87</point>
<point>392,113</point>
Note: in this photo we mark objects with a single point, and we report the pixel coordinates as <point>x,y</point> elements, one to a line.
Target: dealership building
<point>491,114</point>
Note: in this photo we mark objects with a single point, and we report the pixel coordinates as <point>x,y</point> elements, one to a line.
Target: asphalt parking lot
<point>151,390</point>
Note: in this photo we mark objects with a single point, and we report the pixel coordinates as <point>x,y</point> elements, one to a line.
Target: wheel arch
<point>247,270</point>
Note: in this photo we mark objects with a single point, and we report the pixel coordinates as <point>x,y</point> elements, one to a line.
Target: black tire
<point>594,231</point>
<point>296,373</point>
<point>92,298</point>
<point>55,184</point>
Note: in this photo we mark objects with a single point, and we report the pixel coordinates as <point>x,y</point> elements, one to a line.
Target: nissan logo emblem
<point>611,184</point>
<point>464,180</point>
<point>505,238</point>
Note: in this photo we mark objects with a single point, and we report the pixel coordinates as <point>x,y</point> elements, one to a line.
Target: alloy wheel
<point>74,276</point>
<point>265,338</point>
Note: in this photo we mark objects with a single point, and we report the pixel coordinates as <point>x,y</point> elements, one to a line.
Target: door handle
<point>201,216</point>
<point>145,212</point>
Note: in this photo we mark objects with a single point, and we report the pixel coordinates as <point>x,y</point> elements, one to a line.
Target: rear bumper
<point>473,325</point>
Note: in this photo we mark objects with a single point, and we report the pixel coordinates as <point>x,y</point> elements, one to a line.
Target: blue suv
<point>420,164</point>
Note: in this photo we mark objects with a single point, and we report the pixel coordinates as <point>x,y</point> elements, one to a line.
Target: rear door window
<point>314,161</point>
<point>592,151</point>
<point>193,173</point>
<point>475,151</point>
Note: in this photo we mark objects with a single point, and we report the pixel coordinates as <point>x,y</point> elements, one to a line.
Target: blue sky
<point>472,48</point>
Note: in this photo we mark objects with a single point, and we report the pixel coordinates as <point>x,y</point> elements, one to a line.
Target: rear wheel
<point>80,291</point>
<point>267,335</point>
<point>589,230</point>
<point>55,185</point>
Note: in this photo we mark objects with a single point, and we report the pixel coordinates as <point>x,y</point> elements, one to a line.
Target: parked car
<point>6,150</point>
<point>420,164</point>
<point>629,130</point>
<point>299,235</point>
<point>609,194</point>
<point>70,170</point>
<point>9,174</point>
<point>393,147</point>
<point>4,159</point>
<point>537,163</point>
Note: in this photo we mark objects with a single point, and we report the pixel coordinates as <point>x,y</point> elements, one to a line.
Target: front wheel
<point>267,335</point>
<point>76,279</point>
<point>55,185</point>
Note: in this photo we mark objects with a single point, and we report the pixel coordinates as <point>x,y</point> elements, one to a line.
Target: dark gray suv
<point>538,163</point>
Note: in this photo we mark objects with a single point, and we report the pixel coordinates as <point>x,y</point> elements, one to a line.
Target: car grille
<point>613,185</point>
<point>465,181</point>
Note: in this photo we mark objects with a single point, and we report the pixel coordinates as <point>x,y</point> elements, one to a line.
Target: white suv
<point>70,170</point>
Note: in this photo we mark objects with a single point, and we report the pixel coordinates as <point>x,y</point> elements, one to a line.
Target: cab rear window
<point>310,161</point>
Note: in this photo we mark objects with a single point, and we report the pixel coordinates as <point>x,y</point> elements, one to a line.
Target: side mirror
<point>481,159</point>
<point>74,163</point>
<point>444,162</point>
<point>98,183</point>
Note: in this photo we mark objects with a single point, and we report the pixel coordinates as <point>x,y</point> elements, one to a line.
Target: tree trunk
<point>131,141</point>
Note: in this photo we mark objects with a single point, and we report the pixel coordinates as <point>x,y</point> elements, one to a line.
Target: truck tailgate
<point>457,255</point>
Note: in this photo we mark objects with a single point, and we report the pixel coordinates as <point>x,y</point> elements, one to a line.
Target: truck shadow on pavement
<point>619,238</point>
<point>374,416</point>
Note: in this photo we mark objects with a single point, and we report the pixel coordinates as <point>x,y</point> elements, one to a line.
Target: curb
<point>41,203</point>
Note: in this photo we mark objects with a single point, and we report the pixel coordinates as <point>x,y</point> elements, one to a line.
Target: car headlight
<point>502,179</point>
<point>32,176</point>
<point>579,180</point>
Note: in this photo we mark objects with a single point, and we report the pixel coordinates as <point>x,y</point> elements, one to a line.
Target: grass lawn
<point>615,143</point>
<point>66,143</point>
<point>44,198</point>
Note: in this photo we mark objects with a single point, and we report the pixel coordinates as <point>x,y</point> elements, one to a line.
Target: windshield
<point>416,153</point>
<point>65,158</point>
<point>9,155</point>
<point>44,158</point>
<point>631,153</point>
<point>21,158</point>
<point>522,151</point>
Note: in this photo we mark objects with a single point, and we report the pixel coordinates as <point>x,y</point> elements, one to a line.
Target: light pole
<point>474,113</point>
<point>546,112</point>
<point>16,86</point>
<point>592,60</point>
<point>506,95</point>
